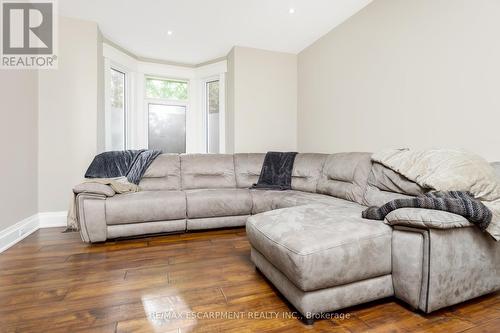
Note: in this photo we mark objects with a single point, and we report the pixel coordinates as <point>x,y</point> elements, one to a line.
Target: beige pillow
<point>444,170</point>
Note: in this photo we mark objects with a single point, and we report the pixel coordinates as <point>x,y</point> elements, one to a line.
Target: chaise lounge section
<point>310,242</point>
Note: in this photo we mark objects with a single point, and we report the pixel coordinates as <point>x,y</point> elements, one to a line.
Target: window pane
<point>166,89</point>
<point>167,128</point>
<point>213,117</point>
<point>117,114</point>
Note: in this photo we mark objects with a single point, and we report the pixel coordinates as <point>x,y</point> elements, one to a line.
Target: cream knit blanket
<point>119,185</point>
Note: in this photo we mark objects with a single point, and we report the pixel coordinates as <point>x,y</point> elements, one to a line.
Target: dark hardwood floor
<point>52,282</point>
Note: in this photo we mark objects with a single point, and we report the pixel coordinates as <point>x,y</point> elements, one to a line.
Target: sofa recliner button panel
<point>320,246</point>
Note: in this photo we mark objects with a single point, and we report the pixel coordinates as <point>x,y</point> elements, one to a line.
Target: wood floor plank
<point>491,326</point>
<point>52,282</point>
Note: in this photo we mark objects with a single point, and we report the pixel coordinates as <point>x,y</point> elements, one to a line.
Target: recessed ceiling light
<point>291,10</point>
<point>170,32</point>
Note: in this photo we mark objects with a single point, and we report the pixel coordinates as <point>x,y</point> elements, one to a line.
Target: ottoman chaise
<point>322,257</point>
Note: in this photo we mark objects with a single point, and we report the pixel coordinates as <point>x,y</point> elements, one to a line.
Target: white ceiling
<point>203,30</point>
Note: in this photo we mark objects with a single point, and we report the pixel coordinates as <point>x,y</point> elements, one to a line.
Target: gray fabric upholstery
<point>264,201</point>
<point>218,202</point>
<point>267,200</point>
<point>159,184</point>
<point>327,299</point>
<point>317,246</point>
<point>163,166</point>
<point>426,218</point>
<point>146,206</point>
<point>297,198</point>
<point>463,263</point>
<point>407,270</point>
<point>305,174</point>
<point>163,174</point>
<point>345,176</point>
<point>91,215</point>
<point>457,265</point>
<point>216,222</point>
<point>306,171</point>
<point>247,168</point>
<point>207,171</point>
<point>96,188</point>
<point>146,228</point>
<point>400,280</point>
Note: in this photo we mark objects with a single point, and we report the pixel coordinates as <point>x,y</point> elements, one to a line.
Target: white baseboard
<point>17,232</point>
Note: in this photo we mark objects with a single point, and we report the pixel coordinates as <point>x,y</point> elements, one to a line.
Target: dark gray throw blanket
<point>129,163</point>
<point>276,173</point>
<point>460,203</point>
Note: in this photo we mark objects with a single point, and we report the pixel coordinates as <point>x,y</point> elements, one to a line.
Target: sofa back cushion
<point>163,174</point>
<point>345,176</point>
<point>247,168</point>
<point>305,174</point>
<point>207,171</point>
<point>307,170</point>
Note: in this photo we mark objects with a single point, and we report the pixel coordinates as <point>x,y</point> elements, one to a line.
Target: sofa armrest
<point>426,219</point>
<point>91,214</point>
<point>94,188</point>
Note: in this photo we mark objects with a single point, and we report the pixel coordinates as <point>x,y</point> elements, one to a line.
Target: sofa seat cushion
<point>320,246</point>
<point>218,202</point>
<point>265,200</point>
<point>146,206</point>
<point>298,198</point>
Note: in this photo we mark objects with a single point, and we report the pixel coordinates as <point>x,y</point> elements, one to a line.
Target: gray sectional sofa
<point>310,242</point>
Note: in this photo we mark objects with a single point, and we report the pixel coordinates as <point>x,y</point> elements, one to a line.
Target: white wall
<point>18,134</point>
<point>404,74</point>
<point>69,105</point>
<point>261,101</point>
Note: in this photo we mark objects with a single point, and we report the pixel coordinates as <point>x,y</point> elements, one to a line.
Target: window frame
<point>155,77</point>
<point>109,65</point>
<point>222,107</point>
<point>115,68</point>
<point>206,97</point>
<point>137,116</point>
<point>164,101</point>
